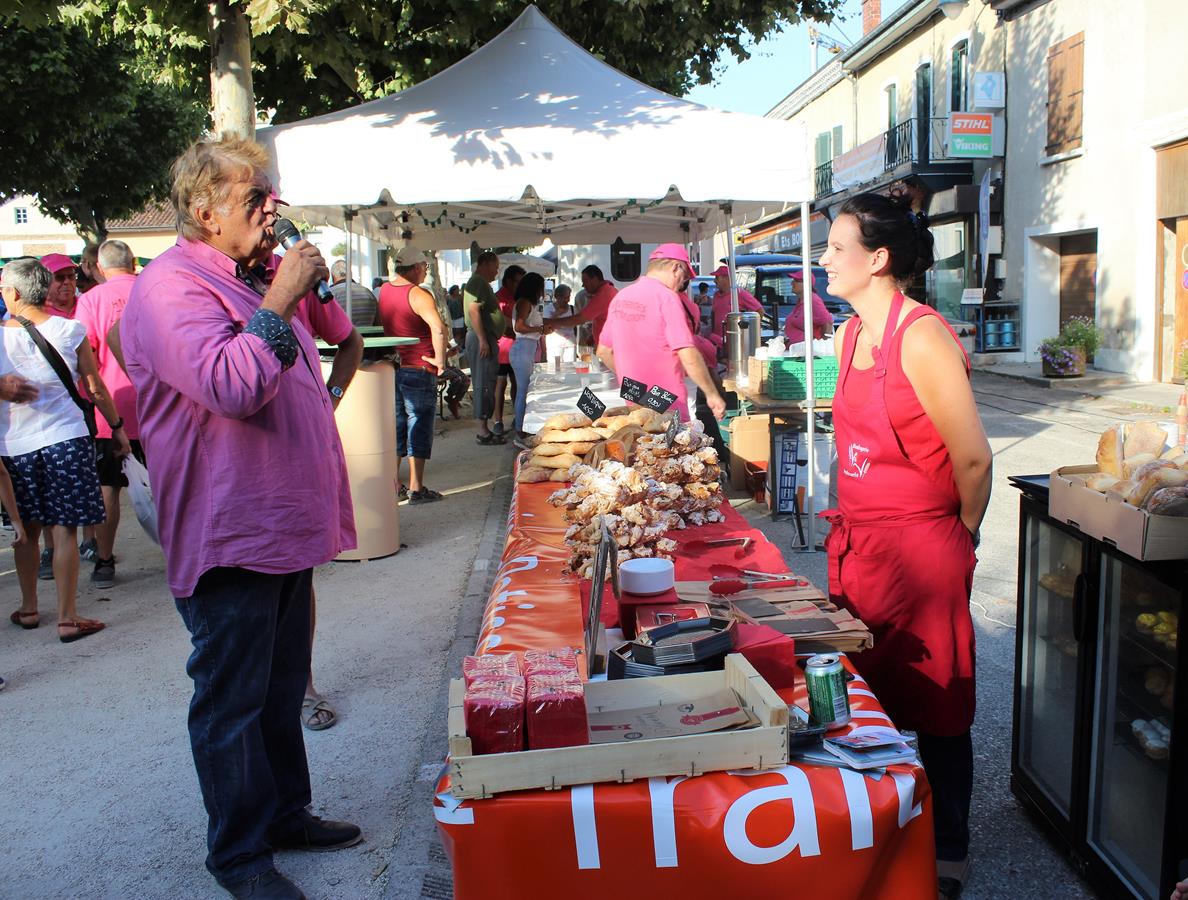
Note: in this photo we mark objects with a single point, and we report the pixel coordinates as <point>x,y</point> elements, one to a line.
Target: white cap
<point>409,255</point>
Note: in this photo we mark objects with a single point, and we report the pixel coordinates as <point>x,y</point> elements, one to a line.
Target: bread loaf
<point>1131,464</point>
<point>559,475</point>
<point>530,474</point>
<point>561,461</point>
<point>612,422</point>
<point>550,449</point>
<point>1168,501</point>
<point>565,436</point>
<point>1101,482</point>
<point>1155,476</point>
<point>1144,437</point>
<point>1109,451</point>
<point>567,420</point>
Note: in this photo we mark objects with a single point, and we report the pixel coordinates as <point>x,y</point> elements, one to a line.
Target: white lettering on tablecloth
<point>803,835</point>
<point>585,828</point>
<point>906,786</point>
<point>664,820</point>
<point>858,800</point>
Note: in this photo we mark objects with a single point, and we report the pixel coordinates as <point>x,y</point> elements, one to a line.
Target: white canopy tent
<point>532,137</point>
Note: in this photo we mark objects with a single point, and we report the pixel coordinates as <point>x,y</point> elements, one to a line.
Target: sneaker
<point>45,569</point>
<point>317,834</point>
<point>270,885</point>
<point>424,495</point>
<point>402,493</point>
<point>89,550</point>
<point>104,574</point>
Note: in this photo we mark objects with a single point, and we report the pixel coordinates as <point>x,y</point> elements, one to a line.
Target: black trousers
<point>948,762</point>
<point>250,633</point>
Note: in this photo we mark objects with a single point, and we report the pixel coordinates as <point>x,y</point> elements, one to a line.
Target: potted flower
<point>1064,356</point>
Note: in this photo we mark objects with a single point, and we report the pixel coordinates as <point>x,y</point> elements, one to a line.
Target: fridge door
<point>1049,657</point>
<point>1132,721</point>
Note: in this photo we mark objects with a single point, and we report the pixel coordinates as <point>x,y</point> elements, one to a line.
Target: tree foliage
<point>84,129</point>
<point>313,56</point>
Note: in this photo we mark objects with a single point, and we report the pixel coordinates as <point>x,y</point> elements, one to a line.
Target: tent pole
<point>730,256</point>
<point>806,271</point>
<point>347,215</point>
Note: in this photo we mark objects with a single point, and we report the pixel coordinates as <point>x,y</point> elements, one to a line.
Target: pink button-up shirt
<point>98,309</point>
<point>244,457</point>
<point>721,308</point>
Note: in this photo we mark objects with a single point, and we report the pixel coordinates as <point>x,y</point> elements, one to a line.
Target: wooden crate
<point>764,747</point>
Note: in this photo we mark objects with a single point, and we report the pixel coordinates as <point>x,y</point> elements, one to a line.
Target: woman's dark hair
<point>889,222</point>
<point>530,288</point>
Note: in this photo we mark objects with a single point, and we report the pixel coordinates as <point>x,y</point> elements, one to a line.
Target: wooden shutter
<point>1066,90</point>
<point>824,151</point>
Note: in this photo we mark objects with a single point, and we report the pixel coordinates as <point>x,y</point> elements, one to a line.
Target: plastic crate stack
<point>786,378</point>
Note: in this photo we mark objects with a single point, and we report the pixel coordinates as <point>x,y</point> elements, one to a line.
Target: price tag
<point>612,559</point>
<point>590,404</point>
<point>674,428</point>
<point>658,399</point>
<point>633,390</point>
<point>597,586</point>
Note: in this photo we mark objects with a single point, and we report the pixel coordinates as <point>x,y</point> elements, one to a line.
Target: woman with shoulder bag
<point>47,444</point>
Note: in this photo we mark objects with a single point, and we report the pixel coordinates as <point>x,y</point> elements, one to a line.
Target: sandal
<point>86,628</point>
<point>951,876</point>
<point>488,440</point>
<point>20,618</point>
<point>314,711</point>
<point>424,495</point>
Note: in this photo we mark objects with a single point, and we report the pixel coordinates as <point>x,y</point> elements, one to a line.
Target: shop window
<point>1066,91</point>
<point>946,279</point>
<point>22,215</point>
<point>959,77</point>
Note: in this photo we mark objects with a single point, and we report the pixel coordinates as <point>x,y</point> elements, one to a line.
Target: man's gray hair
<point>30,279</point>
<point>338,270</point>
<point>563,290</point>
<point>115,254</point>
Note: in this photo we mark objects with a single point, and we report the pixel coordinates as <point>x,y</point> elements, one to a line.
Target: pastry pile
<point>1134,464</point>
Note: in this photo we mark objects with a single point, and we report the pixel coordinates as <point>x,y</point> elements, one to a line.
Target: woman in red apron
<point>913,485</point>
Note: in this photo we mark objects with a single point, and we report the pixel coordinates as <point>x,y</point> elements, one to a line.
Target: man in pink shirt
<point>794,323</point>
<point>251,491</point>
<point>63,292</point>
<point>746,303</point>
<point>599,294</point>
<point>98,310</point>
<point>647,335</point>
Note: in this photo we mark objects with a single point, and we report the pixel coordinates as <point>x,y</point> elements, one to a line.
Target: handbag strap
<point>54,358</point>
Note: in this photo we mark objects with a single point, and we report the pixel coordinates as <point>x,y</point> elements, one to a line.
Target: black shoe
<point>45,567</point>
<point>319,835</point>
<point>270,885</point>
<point>104,574</point>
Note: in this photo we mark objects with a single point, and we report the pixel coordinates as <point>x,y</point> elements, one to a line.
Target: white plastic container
<point>647,575</point>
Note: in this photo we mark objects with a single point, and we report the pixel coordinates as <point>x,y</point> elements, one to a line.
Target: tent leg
<point>806,271</point>
<point>347,215</point>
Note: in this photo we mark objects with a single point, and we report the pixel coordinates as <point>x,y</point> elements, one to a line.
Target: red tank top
<point>401,320</point>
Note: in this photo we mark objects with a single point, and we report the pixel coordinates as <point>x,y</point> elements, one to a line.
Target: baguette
<point>562,421</point>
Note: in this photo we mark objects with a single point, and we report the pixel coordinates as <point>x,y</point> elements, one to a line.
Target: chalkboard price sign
<point>633,390</point>
<point>589,404</point>
<point>658,399</point>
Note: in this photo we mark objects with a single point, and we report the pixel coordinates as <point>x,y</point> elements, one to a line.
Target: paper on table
<point>715,712</point>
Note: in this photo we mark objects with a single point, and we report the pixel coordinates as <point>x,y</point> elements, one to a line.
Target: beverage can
<point>829,703</point>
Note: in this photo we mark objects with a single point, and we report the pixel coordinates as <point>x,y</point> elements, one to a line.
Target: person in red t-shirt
<point>507,302</point>
<point>599,294</point>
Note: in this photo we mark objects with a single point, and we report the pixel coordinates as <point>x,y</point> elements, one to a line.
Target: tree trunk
<point>233,102</point>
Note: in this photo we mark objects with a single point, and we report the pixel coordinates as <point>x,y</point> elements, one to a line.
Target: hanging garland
<point>613,216</point>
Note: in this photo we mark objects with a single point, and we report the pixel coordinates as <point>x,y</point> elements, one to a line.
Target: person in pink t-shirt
<point>794,323</point>
<point>507,304</point>
<point>98,310</point>
<point>721,308</point>
<point>647,335</point>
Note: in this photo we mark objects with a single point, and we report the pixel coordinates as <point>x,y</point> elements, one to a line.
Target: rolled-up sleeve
<point>188,339</point>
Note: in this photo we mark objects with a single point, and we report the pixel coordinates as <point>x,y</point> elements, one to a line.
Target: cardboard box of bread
<point>1135,497</point>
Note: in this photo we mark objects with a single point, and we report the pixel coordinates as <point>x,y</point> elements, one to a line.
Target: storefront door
<point>1078,276</point>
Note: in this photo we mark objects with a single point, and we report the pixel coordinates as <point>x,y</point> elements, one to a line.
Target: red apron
<point>899,556</point>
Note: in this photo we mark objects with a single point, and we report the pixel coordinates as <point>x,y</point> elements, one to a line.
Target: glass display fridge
<point>1099,744</point>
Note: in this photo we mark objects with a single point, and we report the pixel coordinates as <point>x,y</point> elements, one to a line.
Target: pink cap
<point>673,251</point>
<point>721,270</point>
<point>798,275</point>
<point>56,262</point>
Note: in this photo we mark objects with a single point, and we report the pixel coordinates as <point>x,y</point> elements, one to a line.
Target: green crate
<point>786,379</point>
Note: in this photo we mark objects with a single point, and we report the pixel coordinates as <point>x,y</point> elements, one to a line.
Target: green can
<point>829,703</point>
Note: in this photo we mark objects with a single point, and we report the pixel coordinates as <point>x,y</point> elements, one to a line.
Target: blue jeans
<point>250,663</point>
<point>416,399</point>
<point>523,358</point>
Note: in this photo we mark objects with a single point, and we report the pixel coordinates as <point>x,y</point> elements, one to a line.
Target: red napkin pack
<point>498,665</point>
<point>561,661</point>
<point>556,711</point>
<point>494,711</point>
<point>772,654</point>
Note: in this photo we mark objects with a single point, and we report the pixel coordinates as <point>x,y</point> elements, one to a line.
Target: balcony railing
<point>911,142</point>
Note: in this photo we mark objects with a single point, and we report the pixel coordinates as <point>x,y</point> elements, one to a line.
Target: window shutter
<point>824,153</point>
<point>1066,89</point>
<point>837,140</point>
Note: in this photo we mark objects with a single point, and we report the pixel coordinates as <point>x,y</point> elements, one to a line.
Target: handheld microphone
<point>288,235</point>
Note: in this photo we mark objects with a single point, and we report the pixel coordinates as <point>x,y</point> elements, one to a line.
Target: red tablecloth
<point>802,829</point>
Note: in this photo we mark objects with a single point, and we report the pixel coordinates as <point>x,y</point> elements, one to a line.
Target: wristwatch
<point>335,391</point>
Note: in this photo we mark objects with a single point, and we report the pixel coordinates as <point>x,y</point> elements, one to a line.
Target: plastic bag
<point>141,494</point>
